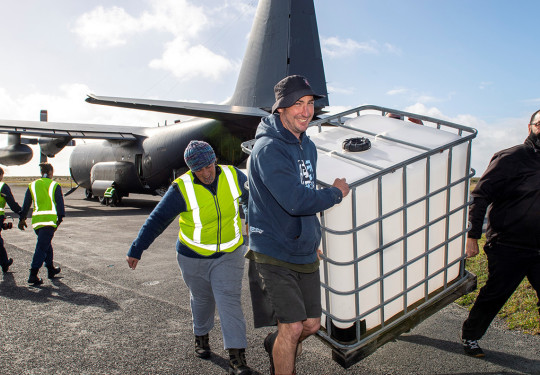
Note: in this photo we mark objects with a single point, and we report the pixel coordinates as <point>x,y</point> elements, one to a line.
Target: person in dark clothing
<point>283,226</point>
<point>47,215</point>
<point>510,187</point>
<point>5,197</point>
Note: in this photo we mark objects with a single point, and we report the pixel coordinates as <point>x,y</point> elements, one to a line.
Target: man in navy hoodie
<point>283,227</point>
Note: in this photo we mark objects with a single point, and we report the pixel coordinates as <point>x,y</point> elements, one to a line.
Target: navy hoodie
<point>283,199</point>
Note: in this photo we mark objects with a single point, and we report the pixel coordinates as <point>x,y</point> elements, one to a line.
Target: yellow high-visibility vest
<point>211,223</point>
<point>109,192</point>
<point>44,213</point>
<point>2,200</point>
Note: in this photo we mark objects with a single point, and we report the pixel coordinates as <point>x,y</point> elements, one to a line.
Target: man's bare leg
<point>290,334</point>
<point>311,326</point>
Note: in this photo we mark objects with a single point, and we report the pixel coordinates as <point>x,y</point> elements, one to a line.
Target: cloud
<point>485,85</point>
<point>421,109</point>
<point>8,105</point>
<point>336,47</point>
<point>400,91</point>
<point>183,56</point>
<point>187,61</point>
<point>340,90</point>
<point>178,17</point>
<point>427,99</point>
<point>392,49</point>
<point>105,27</point>
<point>413,95</point>
<point>110,27</point>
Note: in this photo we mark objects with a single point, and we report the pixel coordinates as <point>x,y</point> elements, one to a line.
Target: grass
<point>520,311</point>
<point>64,181</point>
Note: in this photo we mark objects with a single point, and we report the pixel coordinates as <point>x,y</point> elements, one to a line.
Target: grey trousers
<point>218,282</point>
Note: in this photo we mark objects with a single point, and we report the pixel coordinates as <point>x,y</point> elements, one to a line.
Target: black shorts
<point>279,294</point>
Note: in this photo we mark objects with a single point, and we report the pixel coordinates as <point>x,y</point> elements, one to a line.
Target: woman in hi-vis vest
<point>210,247</point>
<point>48,201</point>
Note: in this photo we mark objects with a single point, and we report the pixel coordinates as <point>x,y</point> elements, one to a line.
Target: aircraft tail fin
<point>284,41</point>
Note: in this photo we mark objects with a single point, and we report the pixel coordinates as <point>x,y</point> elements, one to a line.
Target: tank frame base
<point>347,357</point>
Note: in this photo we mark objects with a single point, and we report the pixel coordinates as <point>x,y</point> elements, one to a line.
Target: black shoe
<point>202,346</point>
<point>472,348</point>
<point>34,279</point>
<point>5,267</point>
<point>269,347</point>
<point>53,271</point>
<point>237,362</point>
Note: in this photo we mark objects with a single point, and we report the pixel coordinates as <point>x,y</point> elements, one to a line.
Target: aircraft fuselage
<point>148,165</point>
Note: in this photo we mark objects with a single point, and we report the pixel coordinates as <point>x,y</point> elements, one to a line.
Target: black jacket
<point>511,184</point>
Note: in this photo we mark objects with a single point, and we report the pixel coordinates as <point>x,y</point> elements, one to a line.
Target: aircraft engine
<point>52,146</point>
<point>16,154</point>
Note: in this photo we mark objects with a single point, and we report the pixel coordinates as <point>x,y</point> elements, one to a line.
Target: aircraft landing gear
<point>88,194</point>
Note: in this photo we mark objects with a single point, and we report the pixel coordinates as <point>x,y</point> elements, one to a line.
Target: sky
<point>473,62</point>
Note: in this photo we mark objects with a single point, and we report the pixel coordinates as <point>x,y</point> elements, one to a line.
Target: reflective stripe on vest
<point>109,192</point>
<point>2,200</point>
<point>44,213</point>
<point>191,220</point>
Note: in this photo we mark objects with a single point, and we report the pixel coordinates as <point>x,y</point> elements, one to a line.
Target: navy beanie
<point>199,154</point>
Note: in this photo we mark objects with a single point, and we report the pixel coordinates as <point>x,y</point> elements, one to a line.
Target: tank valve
<point>356,144</point>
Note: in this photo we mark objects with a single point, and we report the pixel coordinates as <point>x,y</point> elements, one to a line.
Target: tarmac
<point>101,317</point>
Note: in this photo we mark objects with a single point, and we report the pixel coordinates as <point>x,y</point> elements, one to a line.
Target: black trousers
<point>507,268</point>
<point>44,250</point>
<point>3,253</point>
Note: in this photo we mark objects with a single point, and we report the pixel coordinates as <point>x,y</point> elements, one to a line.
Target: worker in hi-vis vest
<point>46,196</point>
<point>6,197</point>
<point>210,247</point>
<point>110,197</point>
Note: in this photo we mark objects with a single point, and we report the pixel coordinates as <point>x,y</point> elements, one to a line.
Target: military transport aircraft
<point>284,40</point>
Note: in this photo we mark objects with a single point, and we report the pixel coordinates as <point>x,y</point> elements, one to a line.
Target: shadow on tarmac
<point>516,363</point>
<point>127,207</point>
<point>46,293</point>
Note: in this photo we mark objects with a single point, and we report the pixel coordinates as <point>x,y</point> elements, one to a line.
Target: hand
<point>22,224</point>
<point>342,185</point>
<point>132,262</point>
<point>319,253</point>
<point>471,247</point>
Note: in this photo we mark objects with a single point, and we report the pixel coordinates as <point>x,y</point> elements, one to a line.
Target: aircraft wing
<point>213,111</point>
<point>73,130</point>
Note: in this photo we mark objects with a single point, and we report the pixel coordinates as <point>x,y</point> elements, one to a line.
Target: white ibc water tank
<point>398,237</point>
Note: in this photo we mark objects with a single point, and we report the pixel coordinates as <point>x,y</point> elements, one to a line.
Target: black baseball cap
<point>290,89</point>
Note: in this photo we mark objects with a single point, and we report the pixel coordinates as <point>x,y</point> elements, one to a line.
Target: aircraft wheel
<point>88,194</point>
<point>101,200</point>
